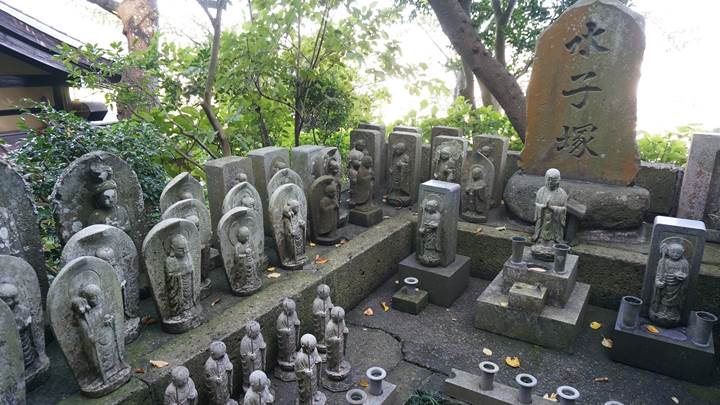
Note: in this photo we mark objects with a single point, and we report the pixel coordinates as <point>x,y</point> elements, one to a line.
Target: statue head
<point>101,171</point>
<point>91,293</point>
<point>308,343</point>
<point>355,164</point>
<point>288,306</point>
<point>185,191</point>
<point>337,314</point>
<point>331,191</point>
<point>194,218</point>
<point>278,165</point>
<point>217,349</point>
<point>257,381</point>
<point>486,151</point>
<point>180,376</point>
<point>243,234</point>
<point>248,202</point>
<point>293,206</point>
<point>477,173</point>
<point>252,329</point>
<point>367,161</point>
<point>323,291</point>
<point>79,305</point>
<point>178,245</point>
<point>106,195</point>
<point>552,179</point>
<point>675,251</point>
<point>241,177</point>
<point>105,252</point>
<point>431,206</point>
<point>399,148</point>
<point>333,166</point>
<point>360,144</point>
<point>9,294</point>
<point>444,153</point>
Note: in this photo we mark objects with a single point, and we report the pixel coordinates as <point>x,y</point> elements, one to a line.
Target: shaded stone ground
<point>419,351</point>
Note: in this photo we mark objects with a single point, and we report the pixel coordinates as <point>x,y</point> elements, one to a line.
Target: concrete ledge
<point>466,387</point>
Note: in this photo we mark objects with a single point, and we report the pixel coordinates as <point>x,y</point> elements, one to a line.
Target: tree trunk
<point>503,86</point>
<point>469,91</point>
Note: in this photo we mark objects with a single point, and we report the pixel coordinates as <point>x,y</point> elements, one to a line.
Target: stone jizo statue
<point>219,375</point>
<point>105,200</point>
<point>550,216</point>
<point>307,371</point>
<point>325,210</point>
<point>429,251</point>
<point>669,291</point>
<point>179,277</point>
<point>181,390</point>
<point>476,198</point>
<point>258,393</point>
<point>364,185</point>
<point>399,186</point>
<point>336,333</point>
<point>446,165</point>
<point>252,353</point>
<point>12,378</point>
<point>288,333</point>
<point>295,229</point>
<point>321,314</point>
<point>357,152</point>
<point>246,266</point>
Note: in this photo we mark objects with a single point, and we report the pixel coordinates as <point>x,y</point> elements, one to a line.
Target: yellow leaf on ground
<point>215,301</point>
<point>337,245</point>
<point>312,244</point>
<point>148,320</point>
<point>368,312</point>
<point>140,370</point>
<point>513,362</point>
<point>595,325</point>
<point>364,383</point>
<point>537,269</point>
<point>504,304</point>
<point>385,306</point>
<point>601,379</point>
<point>652,329</point>
<point>271,269</point>
<point>500,228</point>
<point>551,397</point>
<point>273,275</point>
<point>487,351</point>
<point>607,343</point>
<point>674,399</point>
<point>159,363</point>
<point>478,231</point>
<point>321,260</point>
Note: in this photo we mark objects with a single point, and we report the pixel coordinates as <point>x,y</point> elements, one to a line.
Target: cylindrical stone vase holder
<point>561,251</point>
<point>567,394</point>
<point>613,403</point>
<point>630,311</point>
<point>410,284</point>
<point>526,382</point>
<point>701,327</point>
<point>518,247</point>
<point>356,397</point>
<point>376,375</point>
<point>488,370</point>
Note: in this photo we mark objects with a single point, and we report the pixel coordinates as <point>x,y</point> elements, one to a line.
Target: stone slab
<point>410,303</point>
<point>608,206</point>
<point>559,285</point>
<point>554,327</point>
<point>663,181</point>
<point>581,99</point>
<point>662,354</point>
<point>527,297</point>
<point>366,218</point>
<point>448,196</point>
<point>411,163</point>
<point>389,396</point>
<point>457,148</point>
<point>443,284</point>
<point>466,387</point>
<point>425,162</point>
<point>497,154</point>
<point>220,176</point>
<point>375,147</point>
<point>700,191</point>
<point>266,162</point>
<point>306,161</point>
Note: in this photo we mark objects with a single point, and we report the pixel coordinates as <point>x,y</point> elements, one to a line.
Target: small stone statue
<point>252,353</point>
<point>247,280</point>
<point>105,200</point>
<point>476,198</point>
<point>219,375</point>
<point>364,184</point>
<point>288,330</point>
<point>258,393</point>
<point>182,187</point>
<point>336,340</point>
<point>181,390</point>
<point>321,314</point>
<point>446,169</point>
<point>12,379</point>
<point>429,250</point>
<point>295,229</point>
<point>307,371</point>
<point>179,277</point>
<point>357,152</point>
<point>353,170</point>
<point>325,210</point>
<point>669,290</point>
<point>399,187</point>
<point>550,216</point>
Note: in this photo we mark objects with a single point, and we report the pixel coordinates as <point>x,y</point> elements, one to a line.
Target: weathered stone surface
<point>404,152</point>
<point>608,206</point>
<point>288,216</point>
<point>495,148</point>
<point>172,256</point>
<point>477,185</point>
<point>448,155</point>
<point>86,315</point>
<point>245,195</point>
<point>663,181</point>
<point>374,144</point>
<point>332,163</point>
<point>466,387</point>
<point>425,163</point>
<point>582,94</point>
<point>324,206</point>
<point>19,232</point>
<point>19,289</point>
<point>284,176</point>
<point>444,131</point>
<point>266,162</point>
<point>307,162</point>
<point>182,187</point>
<point>220,176</point>
<point>405,128</point>
<point>115,247</point>
<point>410,303</point>
<point>443,284</point>
<point>512,165</point>
<point>437,228</point>
<point>240,233</point>
<point>194,211</point>
<point>700,192</point>
<point>12,376</point>
<point>99,188</point>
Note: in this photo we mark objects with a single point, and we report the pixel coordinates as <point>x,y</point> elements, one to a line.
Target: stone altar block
<point>443,284</point>
<point>700,191</point>
<point>375,147</point>
<point>410,303</point>
<point>466,387</point>
<point>403,163</point>
<point>220,176</point>
<point>307,162</point>
<point>266,162</point>
<point>497,147</point>
<point>448,155</point>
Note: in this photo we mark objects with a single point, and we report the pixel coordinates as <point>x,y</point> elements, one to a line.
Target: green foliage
<point>46,152</point>
<point>669,147</point>
<point>420,397</point>
<point>478,121</point>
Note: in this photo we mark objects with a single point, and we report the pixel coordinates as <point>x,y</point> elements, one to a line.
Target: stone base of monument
<point>330,239</point>
<point>712,235</point>
<point>410,303</point>
<point>286,373</point>
<point>366,218</point>
<point>669,352</point>
<point>389,395</point>
<point>132,329</point>
<point>339,381</point>
<point>185,322</point>
<point>100,389</point>
<point>320,399</point>
<point>465,387</point>
<point>554,327</point>
<point>343,217</point>
<point>607,206</point>
<point>443,284</point>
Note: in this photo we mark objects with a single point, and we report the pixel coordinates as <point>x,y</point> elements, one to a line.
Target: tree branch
<point>110,6</point>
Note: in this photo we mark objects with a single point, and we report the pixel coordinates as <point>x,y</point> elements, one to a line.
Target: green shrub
<point>670,147</point>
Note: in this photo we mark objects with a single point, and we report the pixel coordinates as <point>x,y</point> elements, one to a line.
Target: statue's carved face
<point>91,293</point>
<point>676,251</point>
<point>552,179</point>
<point>179,246</point>
<point>323,291</point>
<point>360,144</point>
<point>180,380</point>
<point>217,350</point>
<point>477,173</point>
<point>288,307</point>
<point>9,294</point>
<point>308,343</point>
<point>333,166</point>
<point>241,177</point>
<point>293,206</point>
<point>337,314</point>
<point>367,162</point>
<point>105,252</point>
<point>253,330</point>
<point>331,191</point>
<point>243,234</point>
<point>257,382</point>
<point>248,202</point>
<point>399,148</point>
<point>355,164</point>
<point>431,206</point>
<point>108,199</point>
<point>444,154</point>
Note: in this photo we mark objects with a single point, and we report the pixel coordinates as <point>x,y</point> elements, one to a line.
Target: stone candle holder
<point>410,285</point>
<point>518,246</point>
<point>630,311</point>
<point>376,375</point>
<point>561,251</point>
<point>700,328</point>
<point>526,382</point>
<point>567,394</point>
<point>488,370</point>
<point>356,397</point>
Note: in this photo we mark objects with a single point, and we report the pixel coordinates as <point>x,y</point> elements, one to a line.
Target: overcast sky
<point>679,83</point>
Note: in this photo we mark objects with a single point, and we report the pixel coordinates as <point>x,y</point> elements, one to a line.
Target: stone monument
<point>245,195</point>
<point>659,331</point>
<point>220,176</point>
<point>12,376</point>
<point>172,256</point>
<point>288,335</point>
<point>20,291</point>
<point>307,372</point>
<point>550,216</point>
<point>19,231</point>
<point>266,162</point>
<point>324,204</point>
<point>403,161</point>
<point>86,315</point>
<point>322,304</point>
<point>409,298</point>
<point>371,142</point>
<point>700,191</point>
<point>337,370</point>
<point>181,390</point>
<point>219,375</point>
<point>258,393</point>
<point>253,352</point>
<point>494,148</point>
<point>448,132</point>
<point>115,247</point>
<point>477,181</point>
<point>288,216</point>
<point>448,154</point>
<point>581,109</point>
<point>182,187</point>
<point>240,233</point>
<point>307,163</point>
<point>364,212</point>
<point>284,176</point>
<point>435,263</point>
<point>99,188</point>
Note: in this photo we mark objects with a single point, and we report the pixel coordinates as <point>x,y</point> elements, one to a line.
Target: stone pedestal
<point>389,396</point>
<point>668,352</point>
<point>366,218</point>
<point>410,303</point>
<point>466,387</point>
<point>443,284</point>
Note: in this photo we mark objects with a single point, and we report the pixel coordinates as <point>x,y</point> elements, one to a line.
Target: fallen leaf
<point>159,363</point>
<point>550,397</point>
<point>478,231</point>
<point>504,304</point>
<point>337,245</point>
<point>537,269</point>
<point>386,216</point>
<point>652,329</point>
<point>601,379</point>
<point>271,269</point>
<point>312,244</point>
<point>674,399</point>
<point>500,228</point>
<point>595,325</point>
<point>316,257</point>
<point>513,362</point>
<point>273,275</point>
<point>140,370</point>
<point>321,260</point>
<point>215,301</point>
<point>148,320</point>
<point>487,351</point>
<point>364,383</point>
<point>369,312</point>
<point>607,342</point>
<point>454,319</point>
<point>343,241</point>
<point>385,306</point>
